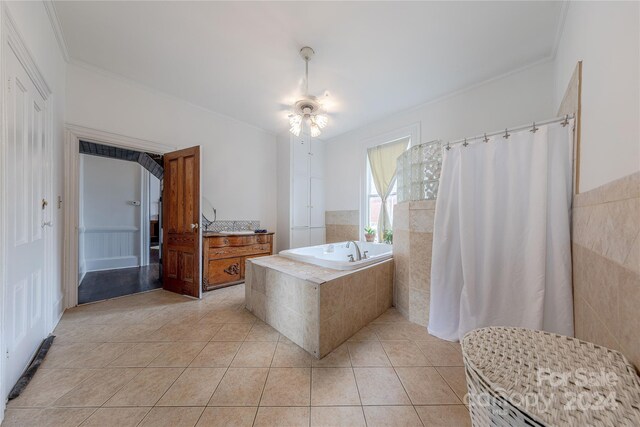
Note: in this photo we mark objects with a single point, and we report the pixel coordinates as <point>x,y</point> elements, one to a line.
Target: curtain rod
<point>505,134</point>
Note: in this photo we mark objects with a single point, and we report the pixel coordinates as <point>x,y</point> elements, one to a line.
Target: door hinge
<point>9,84</point>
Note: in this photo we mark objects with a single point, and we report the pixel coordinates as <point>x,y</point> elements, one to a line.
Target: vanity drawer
<point>224,271</point>
<point>217,242</point>
<point>227,251</point>
<point>223,257</point>
<point>264,238</point>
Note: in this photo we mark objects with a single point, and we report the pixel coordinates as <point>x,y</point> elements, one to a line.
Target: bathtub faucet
<point>358,254</point>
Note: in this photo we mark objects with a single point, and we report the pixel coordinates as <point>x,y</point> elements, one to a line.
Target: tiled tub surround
<point>342,226</point>
<point>606,266</point>
<point>315,307</point>
<point>412,240</point>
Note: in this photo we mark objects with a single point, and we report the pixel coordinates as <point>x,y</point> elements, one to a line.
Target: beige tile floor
<point>159,359</point>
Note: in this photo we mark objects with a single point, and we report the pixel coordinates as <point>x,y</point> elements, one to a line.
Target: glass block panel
<point>418,172</point>
<point>431,170</point>
<point>416,190</point>
<point>432,151</point>
<point>416,154</point>
<point>431,190</point>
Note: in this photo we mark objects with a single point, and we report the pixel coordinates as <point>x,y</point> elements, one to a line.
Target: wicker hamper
<point>522,377</point>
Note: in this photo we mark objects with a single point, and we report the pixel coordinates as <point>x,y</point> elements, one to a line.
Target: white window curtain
<point>383,162</point>
<point>501,244</point>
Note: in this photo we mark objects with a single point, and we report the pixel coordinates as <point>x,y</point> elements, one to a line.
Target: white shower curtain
<point>501,243</point>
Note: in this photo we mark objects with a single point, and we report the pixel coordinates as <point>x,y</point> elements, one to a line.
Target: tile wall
<point>317,315</point>
<point>606,266</point>
<point>412,241</point>
<point>342,226</point>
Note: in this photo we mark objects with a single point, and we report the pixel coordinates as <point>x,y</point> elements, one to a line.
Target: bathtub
<point>336,255</point>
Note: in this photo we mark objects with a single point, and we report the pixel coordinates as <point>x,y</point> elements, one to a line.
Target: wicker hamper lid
<point>554,379</point>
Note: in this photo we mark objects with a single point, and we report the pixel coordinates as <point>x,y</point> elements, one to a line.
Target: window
<point>374,202</point>
<point>379,156</point>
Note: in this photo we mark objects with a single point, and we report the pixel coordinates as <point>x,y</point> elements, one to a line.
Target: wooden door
<point>29,226</point>
<point>181,222</point>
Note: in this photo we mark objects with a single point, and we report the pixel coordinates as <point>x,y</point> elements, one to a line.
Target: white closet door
<point>317,236</point>
<point>301,150</point>
<point>28,206</point>
<point>317,202</point>
<point>317,159</point>
<point>299,237</point>
<point>300,182</point>
<point>300,202</point>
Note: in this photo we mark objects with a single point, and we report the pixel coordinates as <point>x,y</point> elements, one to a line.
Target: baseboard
<point>112,263</point>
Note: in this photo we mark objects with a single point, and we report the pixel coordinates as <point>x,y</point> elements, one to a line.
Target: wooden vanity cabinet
<point>224,256</point>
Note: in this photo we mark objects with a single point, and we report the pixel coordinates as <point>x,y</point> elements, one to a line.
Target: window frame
<point>412,131</point>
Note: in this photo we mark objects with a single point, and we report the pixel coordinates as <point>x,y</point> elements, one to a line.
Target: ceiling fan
<point>308,110</point>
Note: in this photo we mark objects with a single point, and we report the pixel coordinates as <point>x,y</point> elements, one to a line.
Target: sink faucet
<point>358,254</point>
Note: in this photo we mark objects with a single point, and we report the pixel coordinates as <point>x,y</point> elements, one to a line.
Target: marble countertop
<point>301,270</point>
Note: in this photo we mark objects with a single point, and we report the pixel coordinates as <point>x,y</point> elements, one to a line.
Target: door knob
<point>194,226</point>
<point>47,224</point>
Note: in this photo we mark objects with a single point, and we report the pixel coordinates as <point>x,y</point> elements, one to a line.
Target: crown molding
<point>50,7</point>
<point>22,52</point>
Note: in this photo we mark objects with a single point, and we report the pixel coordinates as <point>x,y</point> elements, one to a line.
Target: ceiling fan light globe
<point>314,130</point>
<point>295,120</point>
<point>321,120</point>
<point>295,130</point>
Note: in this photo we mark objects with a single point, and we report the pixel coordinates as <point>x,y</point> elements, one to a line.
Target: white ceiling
<point>375,58</point>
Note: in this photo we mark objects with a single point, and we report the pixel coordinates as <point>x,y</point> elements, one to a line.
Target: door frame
<point>145,235</point>
<point>73,134</point>
<point>11,41</point>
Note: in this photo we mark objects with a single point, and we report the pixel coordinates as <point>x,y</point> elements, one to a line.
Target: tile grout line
<point>447,382</point>
<point>255,417</point>
<point>402,384</point>
<point>209,309</point>
<point>353,372</point>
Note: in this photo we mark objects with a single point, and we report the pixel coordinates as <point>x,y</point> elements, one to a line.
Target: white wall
<point>33,26</point>
<point>111,225</point>
<point>606,37</point>
<point>284,192</point>
<point>513,100</point>
<point>238,160</point>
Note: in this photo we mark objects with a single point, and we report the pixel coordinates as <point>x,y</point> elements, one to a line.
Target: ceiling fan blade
<point>329,102</point>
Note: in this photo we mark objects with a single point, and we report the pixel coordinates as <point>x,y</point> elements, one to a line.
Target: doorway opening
<point>119,233</point>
